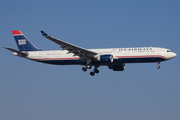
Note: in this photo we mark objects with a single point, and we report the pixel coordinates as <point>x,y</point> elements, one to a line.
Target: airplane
<point>114,58</point>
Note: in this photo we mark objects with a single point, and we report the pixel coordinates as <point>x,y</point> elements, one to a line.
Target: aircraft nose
<point>170,55</point>
<point>174,55</point>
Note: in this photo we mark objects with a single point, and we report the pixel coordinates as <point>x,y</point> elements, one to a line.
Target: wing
<point>77,51</point>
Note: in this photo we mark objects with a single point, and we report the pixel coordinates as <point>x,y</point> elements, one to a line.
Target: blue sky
<point>31,90</point>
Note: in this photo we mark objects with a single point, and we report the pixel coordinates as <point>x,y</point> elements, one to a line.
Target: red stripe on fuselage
<point>16,32</point>
<point>57,58</point>
<point>144,56</point>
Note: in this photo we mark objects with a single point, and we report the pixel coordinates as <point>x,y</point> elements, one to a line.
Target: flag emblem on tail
<point>22,42</point>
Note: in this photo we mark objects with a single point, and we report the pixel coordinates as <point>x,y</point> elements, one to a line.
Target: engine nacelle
<point>119,67</point>
<point>105,58</point>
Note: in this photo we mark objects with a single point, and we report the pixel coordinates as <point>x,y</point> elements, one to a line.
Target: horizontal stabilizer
<point>19,53</point>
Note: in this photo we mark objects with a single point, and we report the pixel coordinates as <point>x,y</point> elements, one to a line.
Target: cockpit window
<point>168,50</point>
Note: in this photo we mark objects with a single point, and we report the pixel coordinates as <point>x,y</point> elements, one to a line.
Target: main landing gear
<point>95,70</point>
<point>87,67</point>
<point>158,66</point>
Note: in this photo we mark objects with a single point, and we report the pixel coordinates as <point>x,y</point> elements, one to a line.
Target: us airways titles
<point>136,49</point>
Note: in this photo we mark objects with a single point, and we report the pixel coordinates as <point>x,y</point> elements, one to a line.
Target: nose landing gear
<point>158,66</point>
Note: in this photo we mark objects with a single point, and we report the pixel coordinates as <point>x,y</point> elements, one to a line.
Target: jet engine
<point>119,67</point>
<point>105,58</point>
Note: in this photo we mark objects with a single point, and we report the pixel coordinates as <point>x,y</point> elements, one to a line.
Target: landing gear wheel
<point>158,66</point>
<point>84,69</point>
<point>92,73</point>
<point>96,71</point>
<point>89,66</point>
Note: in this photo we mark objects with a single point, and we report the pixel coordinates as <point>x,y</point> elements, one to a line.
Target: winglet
<point>43,33</point>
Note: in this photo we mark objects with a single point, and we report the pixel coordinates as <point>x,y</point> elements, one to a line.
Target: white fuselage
<point>120,55</point>
<point>114,58</point>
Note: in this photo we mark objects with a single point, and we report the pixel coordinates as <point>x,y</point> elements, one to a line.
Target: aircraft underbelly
<point>115,61</point>
<point>140,60</point>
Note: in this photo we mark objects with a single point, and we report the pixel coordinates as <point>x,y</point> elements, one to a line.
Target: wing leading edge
<point>76,50</point>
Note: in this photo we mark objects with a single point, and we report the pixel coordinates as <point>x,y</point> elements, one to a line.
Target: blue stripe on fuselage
<point>115,61</point>
<point>139,60</point>
<point>63,62</point>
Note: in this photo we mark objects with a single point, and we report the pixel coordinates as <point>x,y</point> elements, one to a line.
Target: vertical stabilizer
<point>22,42</point>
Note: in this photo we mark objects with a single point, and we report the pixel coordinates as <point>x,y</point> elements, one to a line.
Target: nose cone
<point>172,55</point>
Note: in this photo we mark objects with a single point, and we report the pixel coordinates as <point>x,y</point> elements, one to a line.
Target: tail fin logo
<point>22,42</point>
